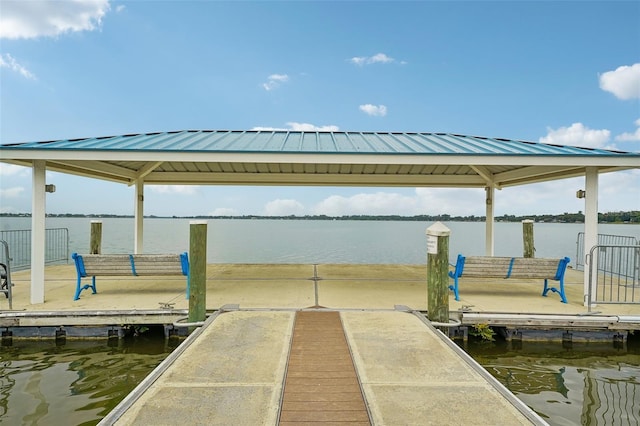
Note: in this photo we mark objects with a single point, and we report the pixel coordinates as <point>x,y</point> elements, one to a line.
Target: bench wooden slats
<point>92,265</point>
<point>157,264</point>
<point>479,266</point>
<point>115,265</point>
<point>511,268</point>
<point>530,268</point>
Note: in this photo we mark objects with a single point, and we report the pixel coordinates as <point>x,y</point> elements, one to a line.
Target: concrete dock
<point>153,300</point>
<point>233,370</point>
<point>233,373</point>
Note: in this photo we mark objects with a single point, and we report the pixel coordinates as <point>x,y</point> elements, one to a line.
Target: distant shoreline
<point>623,217</point>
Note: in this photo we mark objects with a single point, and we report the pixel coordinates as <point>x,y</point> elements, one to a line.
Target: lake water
<point>586,384</point>
<point>319,241</point>
<point>77,383</point>
<point>41,383</point>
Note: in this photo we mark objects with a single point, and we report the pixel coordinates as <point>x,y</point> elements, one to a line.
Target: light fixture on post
<point>581,193</point>
<point>50,188</point>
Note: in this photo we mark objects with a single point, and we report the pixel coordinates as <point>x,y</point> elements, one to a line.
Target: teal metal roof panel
<point>260,141</point>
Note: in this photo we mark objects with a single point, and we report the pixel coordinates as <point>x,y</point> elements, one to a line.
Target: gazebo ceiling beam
<point>485,174</point>
<point>147,169</point>
<point>313,179</point>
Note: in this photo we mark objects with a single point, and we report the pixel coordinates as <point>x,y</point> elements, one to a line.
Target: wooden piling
<point>95,241</point>
<point>197,271</point>
<point>527,237</point>
<point>437,272</point>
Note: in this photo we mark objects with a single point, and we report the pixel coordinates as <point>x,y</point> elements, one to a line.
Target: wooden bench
<point>93,265</point>
<point>511,268</point>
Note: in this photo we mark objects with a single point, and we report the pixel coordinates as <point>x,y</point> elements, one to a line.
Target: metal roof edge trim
<point>582,151</point>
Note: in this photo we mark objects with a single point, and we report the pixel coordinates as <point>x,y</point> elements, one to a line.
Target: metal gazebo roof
<point>266,157</point>
<point>272,157</point>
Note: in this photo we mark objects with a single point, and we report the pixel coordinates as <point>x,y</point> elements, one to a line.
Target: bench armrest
<point>458,268</point>
<point>184,262</point>
<point>77,260</point>
<point>562,267</point>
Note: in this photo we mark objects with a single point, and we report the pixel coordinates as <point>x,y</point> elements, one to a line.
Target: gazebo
<point>309,158</point>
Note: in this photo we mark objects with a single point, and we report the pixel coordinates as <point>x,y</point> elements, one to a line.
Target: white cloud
<point>620,188</point>
<point>306,127</point>
<point>174,189</point>
<point>630,137</point>
<point>376,111</point>
<point>39,18</point>
<point>453,201</point>
<point>223,211</point>
<point>578,135</point>
<point>13,170</point>
<point>274,80</point>
<point>11,192</point>
<point>7,61</point>
<point>378,58</point>
<point>300,127</point>
<point>272,129</point>
<point>378,203</point>
<point>539,198</point>
<point>283,208</point>
<point>624,82</point>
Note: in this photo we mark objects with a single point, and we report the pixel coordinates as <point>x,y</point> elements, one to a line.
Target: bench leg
<point>80,287</point>
<point>563,298</point>
<point>454,288</point>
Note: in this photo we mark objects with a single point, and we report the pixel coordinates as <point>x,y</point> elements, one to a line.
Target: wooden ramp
<point>321,385</point>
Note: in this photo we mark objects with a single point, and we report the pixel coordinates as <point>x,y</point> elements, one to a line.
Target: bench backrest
<point>157,264</point>
<point>98,264</point>
<point>526,268</point>
<point>510,267</point>
<point>483,266</point>
<point>131,264</point>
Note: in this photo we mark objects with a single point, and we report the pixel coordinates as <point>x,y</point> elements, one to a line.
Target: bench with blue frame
<point>511,268</point>
<point>93,265</point>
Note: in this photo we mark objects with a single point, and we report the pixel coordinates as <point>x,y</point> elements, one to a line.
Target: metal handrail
<point>56,246</point>
<point>603,239</point>
<point>617,287</point>
<point>5,276</point>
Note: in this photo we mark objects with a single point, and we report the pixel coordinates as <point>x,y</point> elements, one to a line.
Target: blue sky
<point>558,72</point>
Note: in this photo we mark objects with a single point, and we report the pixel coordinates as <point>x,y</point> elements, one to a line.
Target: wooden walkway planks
<point>321,384</point>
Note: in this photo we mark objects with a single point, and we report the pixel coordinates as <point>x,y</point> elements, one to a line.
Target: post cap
<point>438,229</point>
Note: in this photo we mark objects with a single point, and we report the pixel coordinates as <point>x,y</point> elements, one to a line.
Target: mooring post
<point>527,237</point>
<point>197,271</point>
<point>437,272</point>
<point>95,241</point>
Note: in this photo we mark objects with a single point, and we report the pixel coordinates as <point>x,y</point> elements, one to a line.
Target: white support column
<point>489,233</point>
<point>139,217</point>
<point>590,224</point>
<point>38,231</point>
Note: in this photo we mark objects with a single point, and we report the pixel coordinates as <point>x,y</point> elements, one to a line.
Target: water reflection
<point>76,383</point>
<point>588,384</point>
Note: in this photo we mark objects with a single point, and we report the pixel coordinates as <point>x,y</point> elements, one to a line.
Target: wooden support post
<point>197,271</point>
<point>527,237</point>
<point>437,272</point>
<point>95,242</point>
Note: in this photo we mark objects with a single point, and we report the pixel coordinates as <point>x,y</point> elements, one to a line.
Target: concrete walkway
<point>232,372</point>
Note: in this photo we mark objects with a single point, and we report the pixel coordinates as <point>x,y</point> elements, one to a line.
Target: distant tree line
<point>610,217</point>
